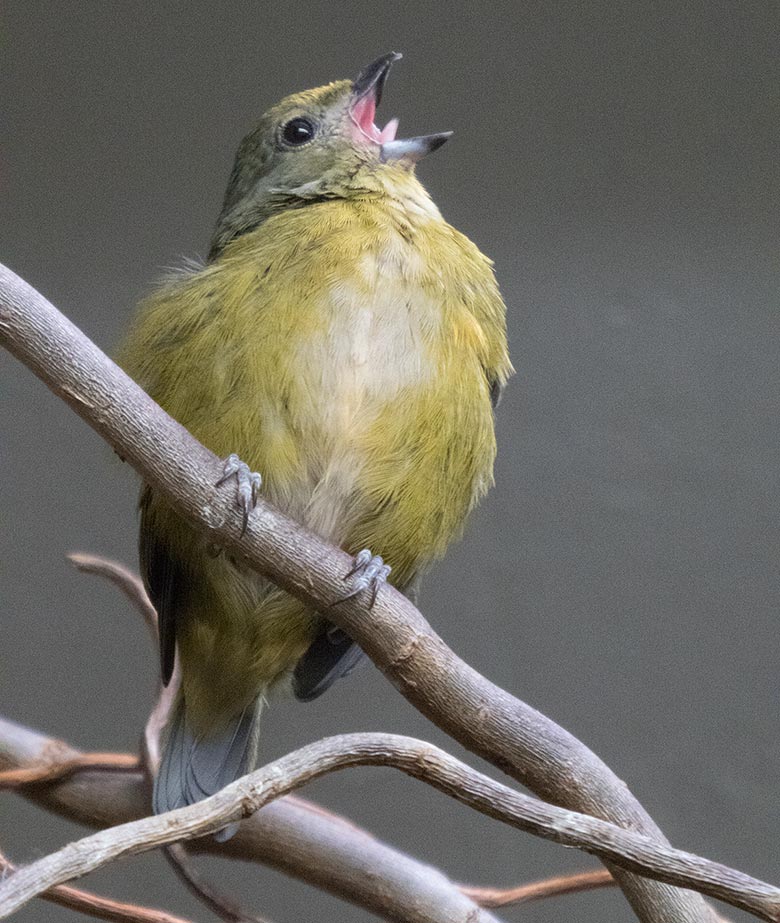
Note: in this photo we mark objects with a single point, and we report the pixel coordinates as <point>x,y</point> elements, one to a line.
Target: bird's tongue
<point>363,113</point>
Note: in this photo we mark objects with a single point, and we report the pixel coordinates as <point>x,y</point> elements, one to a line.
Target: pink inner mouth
<point>362,115</point>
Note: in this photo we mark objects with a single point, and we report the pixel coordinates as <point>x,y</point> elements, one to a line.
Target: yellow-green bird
<point>350,345</point>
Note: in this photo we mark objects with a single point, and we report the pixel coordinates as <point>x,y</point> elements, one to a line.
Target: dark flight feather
<point>333,655</point>
<point>167,583</point>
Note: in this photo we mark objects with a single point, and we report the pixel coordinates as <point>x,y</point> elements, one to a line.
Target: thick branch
<point>290,835</point>
<point>422,761</point>
<point>481,716</point>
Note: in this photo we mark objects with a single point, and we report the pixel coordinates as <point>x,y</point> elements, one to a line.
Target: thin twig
<point>55,770</point>
<point>218,902</point>
<point>539,890</point>
<point>421,761</point>
<point>223,906</point>
<point>129,583</point>
<point>291,835</point>
<point>94,906</point>
<point>177,854</point>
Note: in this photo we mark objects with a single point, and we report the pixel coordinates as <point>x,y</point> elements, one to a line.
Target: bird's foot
<point>247,485</point>
<point>368,573</point>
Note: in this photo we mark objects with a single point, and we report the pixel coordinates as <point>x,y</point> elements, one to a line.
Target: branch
<point>94,906</point>
<point>538,890</point>
<point>53,768</point>
<point>129,583</point>
<point>220,904</point>
<point>421,761</point>
<point>181,859</point>
<point>290,835</point>
<point>484,718</point>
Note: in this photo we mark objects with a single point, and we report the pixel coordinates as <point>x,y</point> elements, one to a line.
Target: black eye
<point>298,131</point>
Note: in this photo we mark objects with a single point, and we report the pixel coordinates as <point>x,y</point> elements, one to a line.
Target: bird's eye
<point>298,131</point>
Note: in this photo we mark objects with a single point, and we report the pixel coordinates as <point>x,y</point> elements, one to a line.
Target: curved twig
<point>50,770</point>
<point>220,904</point>
<point>176,853</point>
<point>291,835</point>
<point>129,584</point>
<point>95,906</point>
<point>179,859</point>
<point>230,911</point>
<point>421,761</point>
<point>539,890</point>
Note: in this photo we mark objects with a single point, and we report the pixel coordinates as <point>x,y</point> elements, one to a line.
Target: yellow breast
<point>344,351</point>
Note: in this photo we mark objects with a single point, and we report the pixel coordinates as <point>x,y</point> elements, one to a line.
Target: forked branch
<point>422,761</point>
<point>483,717</point>
<point>291,835</point>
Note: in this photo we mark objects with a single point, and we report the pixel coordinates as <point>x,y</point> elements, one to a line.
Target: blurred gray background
<point>618,160</point>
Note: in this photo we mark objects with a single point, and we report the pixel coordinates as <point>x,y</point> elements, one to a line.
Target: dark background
<point>618,161</point>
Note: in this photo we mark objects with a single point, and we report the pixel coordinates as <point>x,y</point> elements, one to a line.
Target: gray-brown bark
<point>483,717</point>
<point>422,761</point>
<point>290,835</point>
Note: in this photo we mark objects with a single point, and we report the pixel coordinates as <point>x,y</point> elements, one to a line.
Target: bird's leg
<point>368,572</point>
<point>247,485</point>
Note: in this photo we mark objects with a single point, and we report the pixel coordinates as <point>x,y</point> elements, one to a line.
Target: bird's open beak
<point>367,94</point>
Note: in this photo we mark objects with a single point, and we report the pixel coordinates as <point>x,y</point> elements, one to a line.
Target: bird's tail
<point>195,765</point>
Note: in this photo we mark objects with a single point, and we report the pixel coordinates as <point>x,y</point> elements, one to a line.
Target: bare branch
<point>100,907</point>
<point>52,770</point>
<point>481,716</point>
<point>181,859</point>
<point>220,904</point>
<point>129,583</point>
<point>419,760</point>
<point>538,890</point>
<point>291,835</point>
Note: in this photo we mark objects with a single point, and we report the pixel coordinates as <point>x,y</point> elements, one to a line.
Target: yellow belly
<point>348,367</point>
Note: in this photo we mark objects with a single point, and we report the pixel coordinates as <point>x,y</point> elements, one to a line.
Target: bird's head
<point>318,144</point>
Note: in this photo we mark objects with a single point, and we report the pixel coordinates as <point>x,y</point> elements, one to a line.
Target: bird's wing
<point>496,387</point>
<point>166,581</point>
<point>333,655</point>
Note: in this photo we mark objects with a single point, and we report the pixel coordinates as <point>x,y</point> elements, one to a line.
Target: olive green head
<point>314,145</point>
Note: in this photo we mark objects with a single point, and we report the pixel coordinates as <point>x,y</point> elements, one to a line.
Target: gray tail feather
<point>194,766</point>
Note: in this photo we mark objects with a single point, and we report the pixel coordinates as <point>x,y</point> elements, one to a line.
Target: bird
<point>343,348</point>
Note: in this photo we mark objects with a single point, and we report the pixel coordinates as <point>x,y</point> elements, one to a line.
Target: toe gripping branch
<point>248,485</point>
<point>368,572</point>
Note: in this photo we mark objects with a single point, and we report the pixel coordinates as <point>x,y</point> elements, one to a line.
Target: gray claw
<point>247,485</point>
<point>368,572</point>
